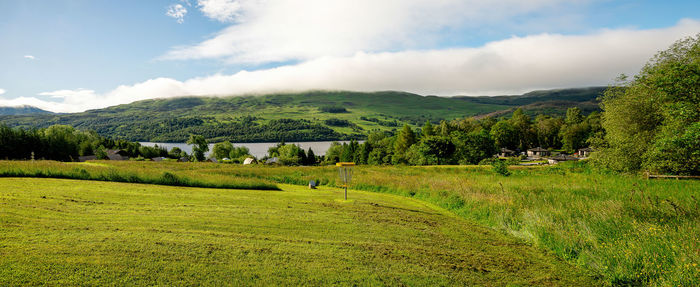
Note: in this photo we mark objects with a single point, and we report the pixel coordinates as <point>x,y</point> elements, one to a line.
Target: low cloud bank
<point>513,65</point>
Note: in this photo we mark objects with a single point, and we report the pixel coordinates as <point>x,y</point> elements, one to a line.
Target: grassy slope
<point>625,229</point>
<point>56,231</point>
<point>135,121</point>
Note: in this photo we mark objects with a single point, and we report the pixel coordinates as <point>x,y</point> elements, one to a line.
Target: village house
<point>562,157</point>
<point>116,154</point>
<point>506,152</point>
<point>86,158</point>
<point>537,152</point>
<point>584,152</point>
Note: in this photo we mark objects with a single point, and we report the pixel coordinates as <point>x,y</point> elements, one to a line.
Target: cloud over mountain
<point>513,65</point>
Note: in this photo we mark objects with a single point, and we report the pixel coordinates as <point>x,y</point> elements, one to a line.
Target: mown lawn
<point>623,229</point>
<point>59,232</point>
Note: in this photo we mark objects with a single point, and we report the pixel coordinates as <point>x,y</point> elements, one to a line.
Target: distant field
<point>65,232</point>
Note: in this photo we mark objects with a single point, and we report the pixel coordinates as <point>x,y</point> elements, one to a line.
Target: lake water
<point>258,150</point>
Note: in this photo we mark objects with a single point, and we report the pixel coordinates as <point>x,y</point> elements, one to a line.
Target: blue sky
<point>72,55</point>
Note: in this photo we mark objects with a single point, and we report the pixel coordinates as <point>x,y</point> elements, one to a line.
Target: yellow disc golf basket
<point>345,173</point>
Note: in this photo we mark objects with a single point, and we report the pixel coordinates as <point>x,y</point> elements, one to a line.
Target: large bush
<point>653,121</point>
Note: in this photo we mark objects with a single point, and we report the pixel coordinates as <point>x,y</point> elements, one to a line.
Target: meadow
<point>70,232</point>
<point>623,229</point>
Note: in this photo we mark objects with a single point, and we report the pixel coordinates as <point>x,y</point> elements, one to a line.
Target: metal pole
<point>346,182</point>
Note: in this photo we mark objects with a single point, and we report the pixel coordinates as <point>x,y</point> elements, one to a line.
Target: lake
<point>258,150</point>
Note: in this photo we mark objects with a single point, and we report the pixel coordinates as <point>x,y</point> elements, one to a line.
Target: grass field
<point>623,229</point>
<point>58,232</point>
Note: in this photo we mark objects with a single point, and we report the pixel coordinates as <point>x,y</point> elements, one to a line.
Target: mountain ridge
<point>21,110</point>
<point>305,116</point>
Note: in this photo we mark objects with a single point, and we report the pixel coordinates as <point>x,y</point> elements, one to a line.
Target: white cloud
<point>177,11</point>
<point>513,65</point>
<point>220,10</point>
<point>2,91</point>
<point>283,30</point>
<point>29,57</point>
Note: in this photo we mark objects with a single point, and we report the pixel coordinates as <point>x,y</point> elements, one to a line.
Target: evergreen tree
<point>310,157</point>
<point>405,139</point>
<point>428,129</point>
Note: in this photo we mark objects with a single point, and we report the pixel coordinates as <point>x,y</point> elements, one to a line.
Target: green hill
<point>309,116</point>
<point>22,110</point>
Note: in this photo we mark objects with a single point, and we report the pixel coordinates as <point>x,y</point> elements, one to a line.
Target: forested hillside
<point>21,110</point>
<point>310,116</point>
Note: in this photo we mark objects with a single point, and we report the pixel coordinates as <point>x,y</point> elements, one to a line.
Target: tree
<point>222,150</point>
<point>101,152</point>
<point>405,139</point>
<point>310,157</point>
<point>504,135</point>
<point>651,122</point>
<point>176,152</point>
<point>333,153</point>
<point>239,153</point>
<point>523,128</point>
<point>365,150</point>
<point>199,146</point>
<point>432,150</point>
<point>473,147</point>
<point>547,131</point>
<point>428,129</point>
<point>574,132</point>
<point>291,154</point>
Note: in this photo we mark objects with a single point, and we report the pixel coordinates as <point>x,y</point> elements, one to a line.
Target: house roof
<point>115,156</point>
<point>87,157</point>
<point>586,149</point>
<point>564,157</point>
<point>537,149</point>
<point>506,150</point>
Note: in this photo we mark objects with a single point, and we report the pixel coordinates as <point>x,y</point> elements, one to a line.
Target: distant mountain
<point>317,115</point>
<point>21,110</point>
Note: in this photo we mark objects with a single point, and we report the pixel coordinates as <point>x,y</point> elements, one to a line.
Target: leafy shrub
<point>501,168</point>
<point>333,109</point>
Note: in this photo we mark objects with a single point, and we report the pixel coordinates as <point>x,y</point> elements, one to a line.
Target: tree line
<point>464,141</point>
<point>65,143</point>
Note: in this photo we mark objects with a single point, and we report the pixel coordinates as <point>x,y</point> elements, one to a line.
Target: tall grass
<point>131,172</point>
<point>627,230</point>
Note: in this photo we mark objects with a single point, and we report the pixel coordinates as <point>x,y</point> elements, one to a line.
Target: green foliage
<point>651,121</point>
<point>335,122</point>
<point>427,129</point>
<point>405,139</point>
<point>547,131</point>
<point>333,109</point>
<point>199,146</point>
<point>524,132</point>
<point>473,147</point>
<point>504,135</point>
<point>222,150</point>
<point>501,168</point>
<point>432,150</point>
<point>290,154</point>
<point>101,152</point>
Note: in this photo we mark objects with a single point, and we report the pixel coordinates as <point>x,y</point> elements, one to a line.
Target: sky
<point>75,55</point>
